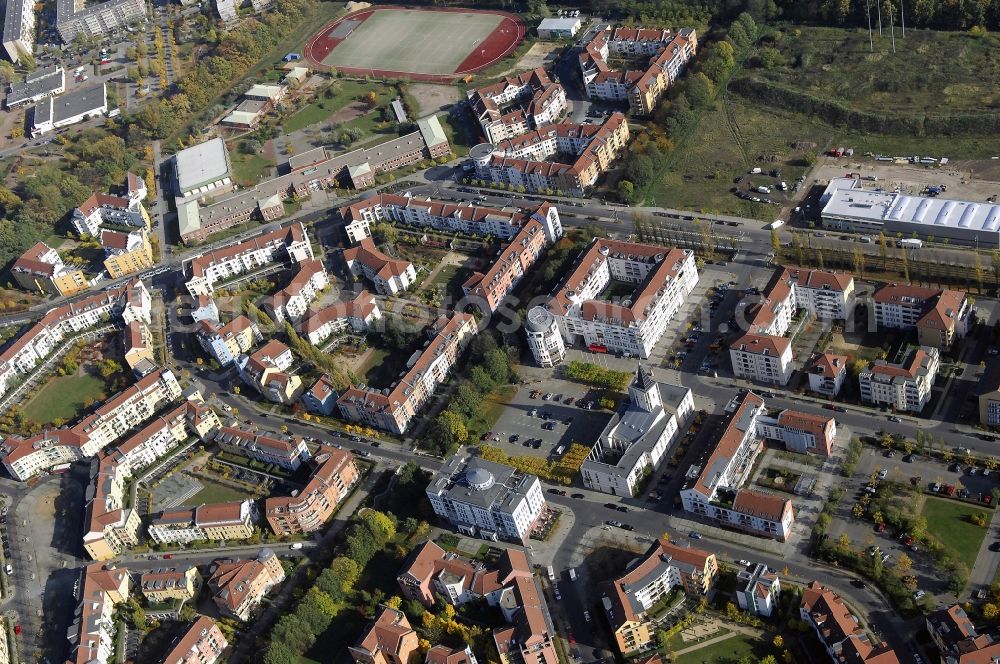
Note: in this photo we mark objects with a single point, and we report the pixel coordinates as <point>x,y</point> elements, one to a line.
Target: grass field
<point>931,71</point>
<point>421,42</point>
<point>727,650</point>
<point>344,92</point>
<point>248,168</point>
<point>63,398</point>
<point>215,493</point>
<point>948,521</point>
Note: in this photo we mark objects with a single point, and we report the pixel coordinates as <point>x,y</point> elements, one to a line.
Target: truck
<point>911,243</point>
<point>572,574</point>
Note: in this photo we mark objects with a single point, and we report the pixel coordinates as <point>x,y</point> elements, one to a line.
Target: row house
<point>502,223</point>
<point>526,160</point>
<point>126,253</point>
<point>288,454</point>
<point>128,302</point>
<point>389,276</point>
<point>267,371</point>
<point>516,105</point>
<point>310,509</point>
<point>291,243</point>
<point>41,269</point>
<point>839,630</point>
<point>93,631</point>
<point>26,457</point>
<point>663,278</point>
<point>627,599</point>
<point>905,386</point>
<point>214,521</point>
<point>713,485</point>
<point>228,342</point>
<point>239,586</point>
<point>394,408</point>
<point>110,528</point>
<point>487,290</point>
<point>359,315</point>
<point>940,317</point>
<point>291,302</point>
<point>202,643</point>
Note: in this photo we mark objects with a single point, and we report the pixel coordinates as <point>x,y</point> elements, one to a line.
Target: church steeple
<point>644,391</point>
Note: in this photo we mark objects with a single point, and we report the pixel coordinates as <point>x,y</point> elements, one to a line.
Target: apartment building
<point>668,53</point>
<point>18,31</point>
<point>764,359</point>
<point>839,630</point>
<point>988,394</point>
<point>25,457</point>
<point>267,371</point>
<point>96,20</point>
<point>169,584</point>
<point>291,302</point>
<point>359,315</point>
<point>826,373</point>
<point>544,337</point>
<point>291,243</point>
<point>41,269</point>
<point>430,571</point>
<point>905,386</point>
<point>517,104</point>
<point>92,633</point>
<point>940,317</point>
<point>321,398</point>
<point>387,640</point>
<point>957,639</point>
<point>527,638</point>
<point>627,599</point>
<point>488,290</point>
<point>635,441</point>
<point>126,253</point>
<point>389,276</point>
<point>227,342</point>
<point>422,212</point>
<point>288,454</point>
<point>305,173</point>
<point>758,589</point>
<point>137,344</point>
<point>238,586</point>
<point>662,279</point>
<point>444,655</point>
<point>111,528</point>
<point>529,160</point>
<point>127,302</point>
<point>214,521</point>
<point>203,307</point>
<point>395,407</point>
<point>119,210</point>
<point>713,485</point>
<point>202,643</point>
<point>485,499</point>
<point>309,510</point>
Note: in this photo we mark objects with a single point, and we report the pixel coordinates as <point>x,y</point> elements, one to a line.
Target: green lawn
<point>948,521</point>
<point>372,367</point>
<point>248,168</point>
<point>215,493</point>
<point>63,398</point>
<point>344,92</point>
<point>728,650</point>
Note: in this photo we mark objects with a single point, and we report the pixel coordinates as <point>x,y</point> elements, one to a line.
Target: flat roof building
<point>57,112</point>
<point>558,28</point>
<point>37,85</point>
<point>202,169</point>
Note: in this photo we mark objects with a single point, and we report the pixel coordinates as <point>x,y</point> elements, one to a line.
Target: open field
<point>342,93</point>
<point>423,42</point>
<point>63,398</point>
<point>931,72</point>
<point>948,521</point>
<point>432,97</point>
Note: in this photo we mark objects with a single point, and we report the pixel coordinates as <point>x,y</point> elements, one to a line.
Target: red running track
<point>499,44</point>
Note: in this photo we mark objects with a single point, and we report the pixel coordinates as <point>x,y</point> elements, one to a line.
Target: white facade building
<point>544,338</point>
<point>635,441</point>
<point>765,359</point>
<point>663,278</point>
<point>292,301</point>
<point>389,276</point>
<point>758,590</point>
<point>359,315</point>
<point>486,499</point>
<point>905,386</point>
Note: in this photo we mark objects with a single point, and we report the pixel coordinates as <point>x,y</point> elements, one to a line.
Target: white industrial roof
<point>903,209</point>
<point>201,164</point>
<point>558,23</point>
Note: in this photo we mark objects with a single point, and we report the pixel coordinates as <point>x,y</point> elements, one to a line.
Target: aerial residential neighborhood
<point>657,332</point>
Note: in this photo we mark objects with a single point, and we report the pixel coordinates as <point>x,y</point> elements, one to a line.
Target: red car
<point>17,629</point>
<point>988,498</point>
<point>168,556</point>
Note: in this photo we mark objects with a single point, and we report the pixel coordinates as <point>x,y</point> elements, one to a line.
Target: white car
<point>296,546</point>
<point>744,563</point>
<point>9,570</point>
<point>586,616</point>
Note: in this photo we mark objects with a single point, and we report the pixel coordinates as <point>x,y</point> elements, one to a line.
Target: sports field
<point>423,42</point>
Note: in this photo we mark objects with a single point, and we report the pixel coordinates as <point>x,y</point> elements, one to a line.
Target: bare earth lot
<point>431,97</point>
<point>912,179</point>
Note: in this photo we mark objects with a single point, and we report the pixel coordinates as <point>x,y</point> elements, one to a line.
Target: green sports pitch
<point>413,41</point>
